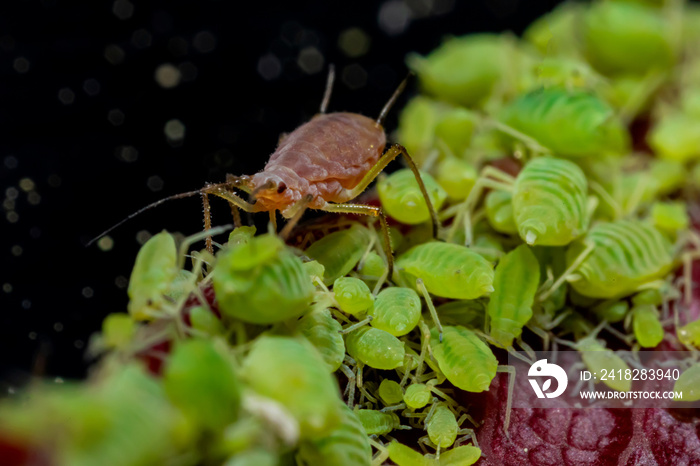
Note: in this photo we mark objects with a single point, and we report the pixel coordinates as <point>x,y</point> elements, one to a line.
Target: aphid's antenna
<point>329,89</point>
<point>156,204</point>
<point>141,210</point>
<point>392,100</point>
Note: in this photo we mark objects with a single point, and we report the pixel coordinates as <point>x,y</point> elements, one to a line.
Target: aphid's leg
<point>527,348</point>
<point>273,221</point>
<point>568,273</point>
<point>382,452</point>
<point>501,181</point>
<point>357,325</point>
<point>393,152</point>
<point>531,143</point>
<point>350,387</point>
<point>431,307</point>
<point>236,214</point>
<point>366,394</point>
<point>220,190</point>
<point>207,221</point>
<point>543,334</point>
<point>397,407</point>
<point>361,209</point>
<point>466,434</point>
<point>605,196</point>
<point>329,89</point>
<point>190,240</point>
<point>297,210</point>
<point>509,402</point>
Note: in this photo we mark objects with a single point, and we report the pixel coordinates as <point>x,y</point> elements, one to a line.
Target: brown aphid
<point>323,164</point>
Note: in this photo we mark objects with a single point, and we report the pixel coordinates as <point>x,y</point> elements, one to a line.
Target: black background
<point>55,292</point>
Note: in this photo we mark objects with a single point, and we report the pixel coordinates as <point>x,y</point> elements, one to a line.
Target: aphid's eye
<point>282,188</point>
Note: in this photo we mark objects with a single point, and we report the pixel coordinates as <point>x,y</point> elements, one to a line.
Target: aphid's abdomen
<point>396,310</point>
<point>570,123</point>
<point>689,383</point>
<point>448,270</point>
<point>442,427</point>
<point>322,330</point>
<point>346,445</point>
<point>510,306</point>
<point>339,252</point>
<point>376,348</point>
<point>626,255</point>
<point>465,360</point>
<point>549,202</point>
<point>377,422</point>
<point>333,147</point>
<point>291,372</point>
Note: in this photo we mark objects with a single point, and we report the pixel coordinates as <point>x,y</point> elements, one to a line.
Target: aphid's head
<point>274,192</point>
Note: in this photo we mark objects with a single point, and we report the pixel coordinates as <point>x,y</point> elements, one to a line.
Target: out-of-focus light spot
<point>269,67</point>
<point>204,42</point>
<point>167,76</point>
<point>188,71</point>
<point>8,204</point>
<point>121,281</point>
<point>11,193</point>
<point>394,17</point>
<point>88,292</point>
<point>34,198</point>
<point>354,76</point>
<point>58,380</point>
<point>116,117</point>
<point>91,87</point>
<point>174,131</point>
<point>54,180</point>
<point>354,42</point>
<point>26,304</point>
<point>7,287</point>
<point>66,96</point>
<point>123,9</point>
<point>10,162</point>
<point>26,184</point>
<point>17,250</point>
<point>58,327</point>
<point>143,236</point>
<point>127,153</point>
<point>78,344</point>
<point>12,216</point>
<point>106,243</point>
<point>114,54</point>
<point>35,232</point>
<point>141,38</point>
<point>21,65</point>
<point>310,60</point>
<point>32,335</point>
<point>154,183</point>
<point>177,46</point>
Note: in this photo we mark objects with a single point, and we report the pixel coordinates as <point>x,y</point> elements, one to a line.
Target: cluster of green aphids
<point>272,354</point>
